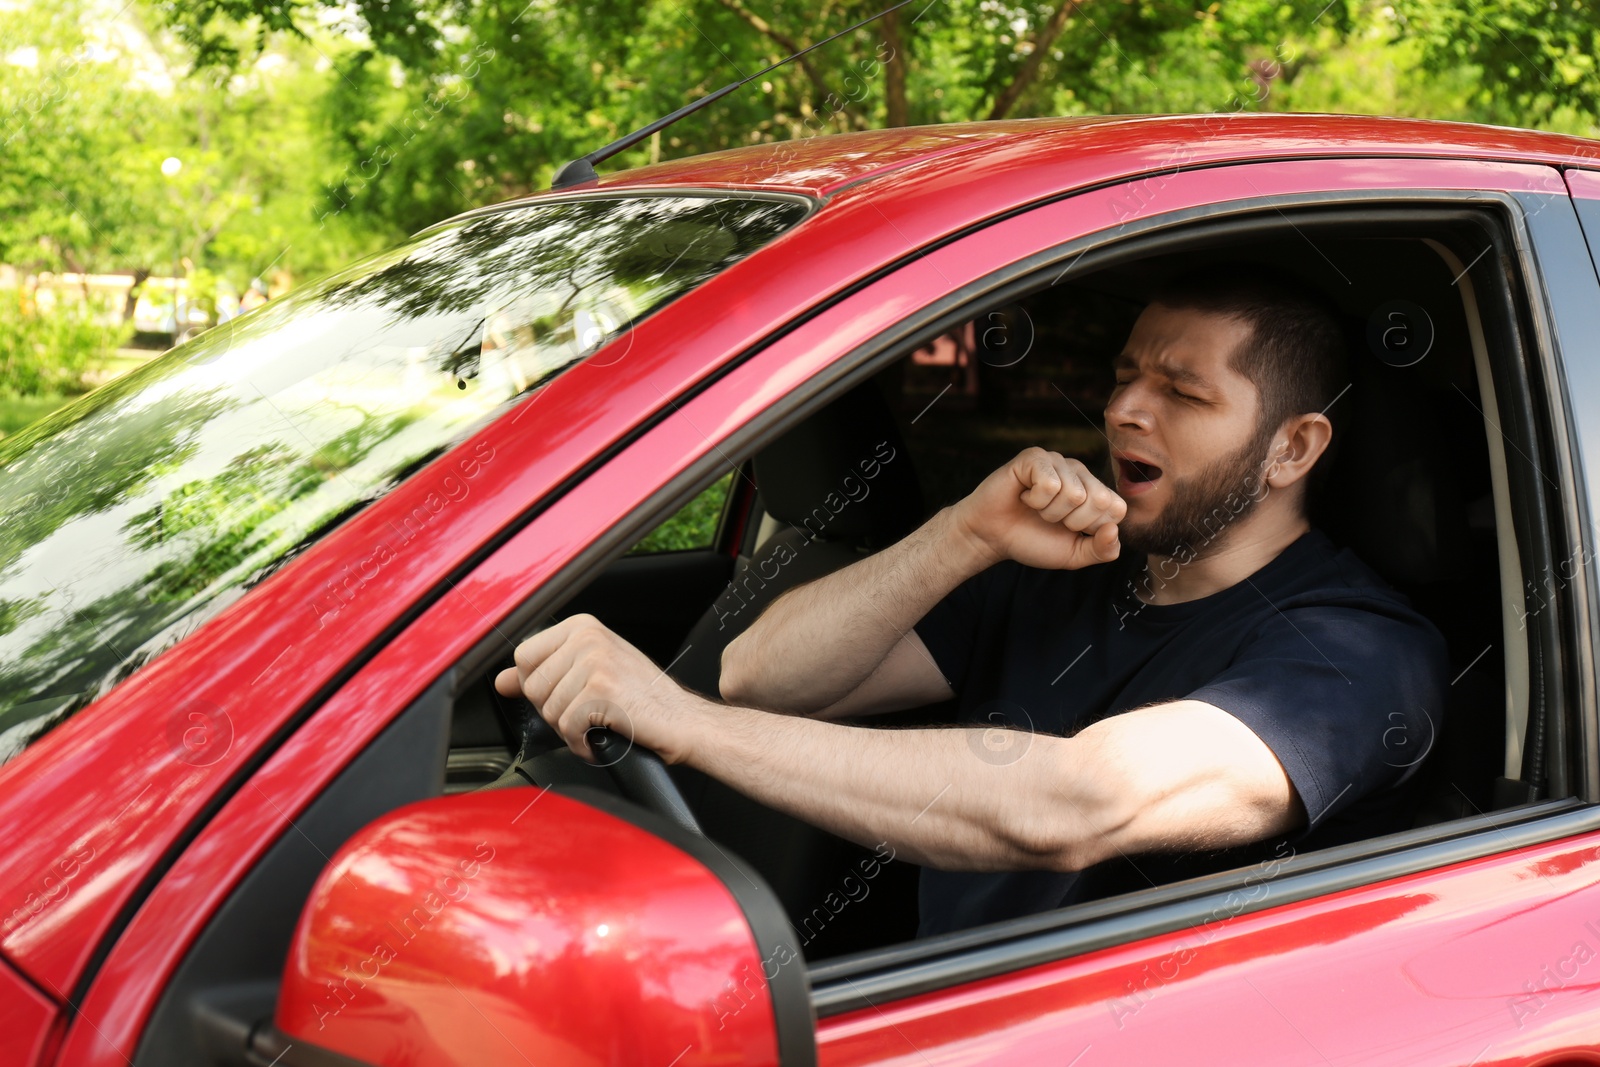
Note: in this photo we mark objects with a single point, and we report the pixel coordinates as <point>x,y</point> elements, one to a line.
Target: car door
<point>1472,942</point>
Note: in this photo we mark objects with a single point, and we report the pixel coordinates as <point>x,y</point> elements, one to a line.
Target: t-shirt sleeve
<point>1349,699</point>
<point>950,628</point>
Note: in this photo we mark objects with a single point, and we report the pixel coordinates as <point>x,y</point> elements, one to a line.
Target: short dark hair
<point>1296,354</point>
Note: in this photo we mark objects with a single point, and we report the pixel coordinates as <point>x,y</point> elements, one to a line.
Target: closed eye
<point>1120,382</point>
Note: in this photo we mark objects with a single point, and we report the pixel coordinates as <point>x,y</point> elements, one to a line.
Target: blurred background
<point>168,164</point>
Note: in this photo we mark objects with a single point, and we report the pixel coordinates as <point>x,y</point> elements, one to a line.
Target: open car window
<point>144,508</point>
<point>1034,368</point>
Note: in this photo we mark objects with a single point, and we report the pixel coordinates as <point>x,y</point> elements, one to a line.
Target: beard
<point>1205,506</point>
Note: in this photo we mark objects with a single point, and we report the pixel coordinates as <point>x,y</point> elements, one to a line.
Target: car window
<point>694,525</point>
<point>141,510</point>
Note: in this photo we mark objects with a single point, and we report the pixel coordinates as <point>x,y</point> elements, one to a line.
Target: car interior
<point>1421,488</point>
<point>1443,482</point>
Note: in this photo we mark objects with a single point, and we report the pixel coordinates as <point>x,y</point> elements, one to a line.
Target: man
<point>1167,675</point>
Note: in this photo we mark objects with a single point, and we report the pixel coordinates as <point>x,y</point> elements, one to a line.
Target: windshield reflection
<point>138,512</point>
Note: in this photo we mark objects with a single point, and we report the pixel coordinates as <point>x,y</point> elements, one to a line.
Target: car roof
<point>825,165</point>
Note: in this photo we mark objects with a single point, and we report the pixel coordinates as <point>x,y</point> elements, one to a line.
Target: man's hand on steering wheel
<point>580,675</point>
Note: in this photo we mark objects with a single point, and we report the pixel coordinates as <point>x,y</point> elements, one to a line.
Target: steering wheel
<point>639,773</point>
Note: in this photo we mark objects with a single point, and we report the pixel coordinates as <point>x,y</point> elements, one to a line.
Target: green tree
<point>312,131</point>
<point>462,102</point>
<point>87,125</point>
<point>80,173</point>
<point>1529,62</point>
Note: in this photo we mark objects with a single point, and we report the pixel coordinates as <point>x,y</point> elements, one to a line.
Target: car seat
<point>1409,491</point>
<point>837,487</point>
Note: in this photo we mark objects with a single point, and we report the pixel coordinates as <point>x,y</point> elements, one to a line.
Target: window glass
<point>141,510</point>
<point>695,524</point>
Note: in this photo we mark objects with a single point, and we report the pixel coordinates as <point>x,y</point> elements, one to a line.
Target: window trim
<point>1516,659</point>
<point>813,204</point>
<point>867,979</point>
<point>845,983</point>
<point>1553,250</point>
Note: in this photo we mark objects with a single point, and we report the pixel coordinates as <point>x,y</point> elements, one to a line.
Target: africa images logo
<point>1006,733</point>
<point>199,733</point>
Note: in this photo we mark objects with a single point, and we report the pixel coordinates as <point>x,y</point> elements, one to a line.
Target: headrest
<point>843,473</point>
<point>1399,488</point>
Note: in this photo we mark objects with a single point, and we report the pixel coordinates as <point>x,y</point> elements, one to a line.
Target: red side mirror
<point>528,926</point>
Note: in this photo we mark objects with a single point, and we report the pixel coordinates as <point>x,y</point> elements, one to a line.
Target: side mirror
<point>530,926</point>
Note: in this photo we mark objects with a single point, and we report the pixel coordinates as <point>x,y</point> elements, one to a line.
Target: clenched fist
<point>1044,510</point>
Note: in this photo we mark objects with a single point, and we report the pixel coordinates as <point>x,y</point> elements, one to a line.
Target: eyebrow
<point>1171,371</point>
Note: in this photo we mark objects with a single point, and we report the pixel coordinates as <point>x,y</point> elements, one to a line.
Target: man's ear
<point>1299,443</point>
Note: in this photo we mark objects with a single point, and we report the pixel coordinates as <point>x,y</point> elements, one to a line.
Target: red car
<point>253,597</point>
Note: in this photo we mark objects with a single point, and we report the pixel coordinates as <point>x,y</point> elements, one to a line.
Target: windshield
<point>139,511</point>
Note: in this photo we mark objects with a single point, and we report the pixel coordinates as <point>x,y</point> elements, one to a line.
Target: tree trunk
<point>140,274</point>
<point>78,268</point>
<point>1008,97</point>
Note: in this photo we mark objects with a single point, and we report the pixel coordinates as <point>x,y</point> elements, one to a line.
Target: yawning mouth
<point>1132,470</point>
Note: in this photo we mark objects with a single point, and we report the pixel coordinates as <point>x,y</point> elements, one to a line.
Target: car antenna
<point>581,170</point>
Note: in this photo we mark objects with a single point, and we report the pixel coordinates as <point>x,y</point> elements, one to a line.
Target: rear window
<point>139,511</point>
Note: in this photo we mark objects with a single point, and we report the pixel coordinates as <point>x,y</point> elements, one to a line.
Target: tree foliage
<point>89,117</point>
<point>312,131</point>
<point>471,101</point>
<point>1533,60</point>
<point>67,121</point>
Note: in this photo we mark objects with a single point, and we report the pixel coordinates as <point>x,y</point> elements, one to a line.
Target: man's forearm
<point>818,641</point>
<point>940,797</point>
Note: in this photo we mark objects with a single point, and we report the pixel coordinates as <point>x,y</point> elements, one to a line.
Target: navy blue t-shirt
<point>1323,660</point>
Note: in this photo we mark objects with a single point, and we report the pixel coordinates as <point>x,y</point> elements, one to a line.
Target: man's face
<point>1183,433</point>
